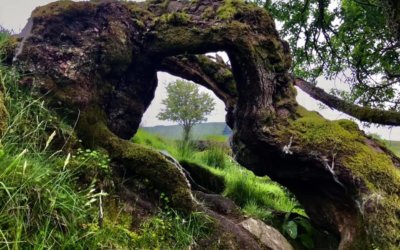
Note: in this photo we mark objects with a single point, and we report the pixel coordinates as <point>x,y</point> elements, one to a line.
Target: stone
<point>269,236</point>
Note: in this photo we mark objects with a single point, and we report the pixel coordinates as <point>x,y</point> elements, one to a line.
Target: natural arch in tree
<point>99,60</point>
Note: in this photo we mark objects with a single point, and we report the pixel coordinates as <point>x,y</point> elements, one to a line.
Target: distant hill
<point>199,131</point>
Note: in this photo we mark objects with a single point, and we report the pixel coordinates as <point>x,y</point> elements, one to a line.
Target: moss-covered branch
<point>365,114</point>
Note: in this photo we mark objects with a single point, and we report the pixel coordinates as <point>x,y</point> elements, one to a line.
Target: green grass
<point>202,131</point>
<point>247,190</point>
<point>258,197</point>
<point>214,157</point>
<point>145,138</point>
<point>216,138</point>
<point>44,204</point>
<point>166,230</point>
<point>39,204</point>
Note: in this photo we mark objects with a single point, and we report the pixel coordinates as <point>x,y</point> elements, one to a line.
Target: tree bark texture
<point>103,57</point>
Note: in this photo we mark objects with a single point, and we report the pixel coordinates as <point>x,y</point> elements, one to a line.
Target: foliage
<point>166,230</point>
<point>30,123</point>
<point>257,196</point>
<point>170,230</point>
<point>40,204</point>
<point>184,150</point>
<point>253,209</point>
<point>242,185</point>
<point>353,40</point>
<point>299,228</point>
<point>214,157</point>
<point>186,105</point>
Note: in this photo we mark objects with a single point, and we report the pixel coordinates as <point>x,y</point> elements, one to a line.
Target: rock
<point>218,203</point>
<point>269,236</point>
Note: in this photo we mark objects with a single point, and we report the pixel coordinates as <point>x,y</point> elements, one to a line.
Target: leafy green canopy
<point>186,105</point>
<point>357,40</point>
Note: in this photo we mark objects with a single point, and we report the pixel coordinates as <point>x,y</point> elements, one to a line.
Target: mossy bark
<point>136,160</point>
<point>105,61</point>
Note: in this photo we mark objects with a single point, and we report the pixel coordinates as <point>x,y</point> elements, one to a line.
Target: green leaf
<point>291,229</point>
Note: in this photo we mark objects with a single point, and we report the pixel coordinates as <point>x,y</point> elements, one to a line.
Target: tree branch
<point>364,114</point>
<point>208,73</point>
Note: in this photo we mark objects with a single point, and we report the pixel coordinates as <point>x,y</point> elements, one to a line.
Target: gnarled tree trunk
<point>106,55</point>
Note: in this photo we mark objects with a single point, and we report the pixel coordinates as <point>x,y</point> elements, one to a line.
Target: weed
<point>299,228</point>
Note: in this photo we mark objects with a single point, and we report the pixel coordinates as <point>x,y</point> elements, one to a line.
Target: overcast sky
<point>14,14</point>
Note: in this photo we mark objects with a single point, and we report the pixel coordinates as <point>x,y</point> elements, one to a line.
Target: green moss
<point>117,52</point>
<point>136,159</point>
<point>379,202</point>
<point>227,10</point>
<point>223,77</point>
<point>60,7</point>
<point>348,125</point>
<point>176,18</point>
<point>139,23</point>
<point>8,45</point>
<point>208,12</point>
<point>138,12</point>
<point>163,174</point>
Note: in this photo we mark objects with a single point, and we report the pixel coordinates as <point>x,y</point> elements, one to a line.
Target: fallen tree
<point>98,61</point>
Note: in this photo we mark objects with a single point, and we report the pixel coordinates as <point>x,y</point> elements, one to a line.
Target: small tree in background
<point>186,105</point>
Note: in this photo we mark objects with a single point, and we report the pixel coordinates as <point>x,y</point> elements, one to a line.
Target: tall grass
<point>259,197</point>
<point>172,230</point>
<point>256,195</point>
<point>43,205</point>
<point>39,205</point>
<point>214,157</point>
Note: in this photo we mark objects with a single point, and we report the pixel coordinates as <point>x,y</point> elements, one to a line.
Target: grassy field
<point>258,197</point>
<point>199,131</point>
